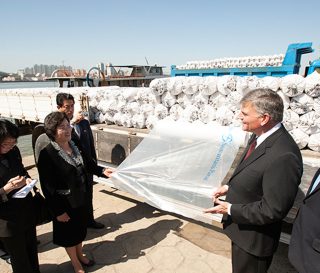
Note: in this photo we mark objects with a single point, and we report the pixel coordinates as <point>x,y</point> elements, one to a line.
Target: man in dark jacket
<point>263,187</point>
<point>304,249</point>
<point>83,137</point>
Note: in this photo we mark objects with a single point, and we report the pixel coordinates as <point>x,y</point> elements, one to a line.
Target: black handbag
<point>42,211</point>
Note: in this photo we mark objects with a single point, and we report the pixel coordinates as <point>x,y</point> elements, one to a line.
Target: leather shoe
<point>90,263</point>
<point>95,225</point>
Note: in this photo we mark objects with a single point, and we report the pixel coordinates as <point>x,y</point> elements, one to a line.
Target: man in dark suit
<point>263,187</point>
<point>82,136</point>
<point>304,249</point>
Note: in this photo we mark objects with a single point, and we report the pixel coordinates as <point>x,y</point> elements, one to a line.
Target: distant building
<point>101,67</point>
<point>44,69</point>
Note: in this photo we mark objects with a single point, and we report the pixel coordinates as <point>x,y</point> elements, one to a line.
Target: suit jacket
<point>85,139</point>
<point>304,249</point>
<point>85,143</point>
<point>56,176</point>
<point>262,190</point>
<point>16,214</point>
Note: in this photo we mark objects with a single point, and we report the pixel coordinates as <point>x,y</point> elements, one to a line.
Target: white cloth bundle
<point>302,104</point>
<point>108,118</point>
<point>184,100</point>
<point>236,121</point>
<point>207,113</point>
<point>99,117</point>
<point>191,113</point>
<point>151,121</point>
<point>285,98</point>
<point>198,99</point>
<point>226,84</point>
<point>160,111</point>
<point>176,112</point>
<point>246,84</point>
<point>290,119</point>
<point>144,95</point>
<point>128,94</point>
<point>127,120</point>
<point>300,137</point>
<point>224,116</point>
<point>139,121</point>
<point>158,86</point>
<point>269,82</point>
<point>316,104</point>
<point>178,85</point>
<point>314,142</point>
<point>107,106</point>
<point>293,85</point>
<point>133,108</point>
<point>118,119</point>
<point>217,100</point>
<point>168,100</point>
<point>171,86</point>
<point>313,84</point>
<point>309,123</point>
<point>208,85</point>
<point>147,109</point>
<point>233,100</point>
<point>122,106</point>
<point>192,85</point>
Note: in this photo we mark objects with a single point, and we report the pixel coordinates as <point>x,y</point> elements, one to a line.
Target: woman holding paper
<point>63,172</point>
<point>17,218</point>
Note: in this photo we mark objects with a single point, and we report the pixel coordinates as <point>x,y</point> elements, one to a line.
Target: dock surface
<point>139,238</point>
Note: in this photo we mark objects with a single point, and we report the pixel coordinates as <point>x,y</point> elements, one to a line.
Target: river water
<point>24,142</point>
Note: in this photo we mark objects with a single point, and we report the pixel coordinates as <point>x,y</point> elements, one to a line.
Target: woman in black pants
<point>17,218</point>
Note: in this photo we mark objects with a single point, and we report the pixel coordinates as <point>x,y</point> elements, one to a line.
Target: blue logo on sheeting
<point>226,139</point>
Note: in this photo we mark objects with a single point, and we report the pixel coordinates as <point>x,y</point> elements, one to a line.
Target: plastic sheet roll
<point>290,119</point>
<point>184,100</point>
<point>300,137</point>
<point>285,98</point>
<point>176,112</point>
<point>269,82</point>
<point>176,167</point>
<point>208,85</point>
<point>168,100</point>
<point>292,85</point>
<point>314,142</point>
<point>309,123</point>
<point>226,84</point>
<point>207,114</point>
<point>217,100</point>
<point>302,104</point>
<point>313,84</point>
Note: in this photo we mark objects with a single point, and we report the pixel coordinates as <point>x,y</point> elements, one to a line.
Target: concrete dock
<point>139,238</point>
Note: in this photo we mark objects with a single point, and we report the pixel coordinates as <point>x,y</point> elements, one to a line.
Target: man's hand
<point>220,207</point>
<point>217,192</point>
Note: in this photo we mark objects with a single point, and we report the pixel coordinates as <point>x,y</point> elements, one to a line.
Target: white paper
<point>22,193</point>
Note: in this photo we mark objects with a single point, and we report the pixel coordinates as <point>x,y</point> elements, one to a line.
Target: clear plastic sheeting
<point>176,166</point>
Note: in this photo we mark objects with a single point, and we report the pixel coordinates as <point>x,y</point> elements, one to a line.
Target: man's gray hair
<point>265,101</point>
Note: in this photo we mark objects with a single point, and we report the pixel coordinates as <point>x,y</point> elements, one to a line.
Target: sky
<point>163,32</point>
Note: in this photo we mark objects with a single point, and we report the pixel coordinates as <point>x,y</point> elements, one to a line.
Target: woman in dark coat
<point>17,219</point>
<point>63,172</point>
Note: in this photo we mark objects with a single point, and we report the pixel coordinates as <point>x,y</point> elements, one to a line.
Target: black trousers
<point>89,199</point>
<point>22,248</point>
<point>244,262</point>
